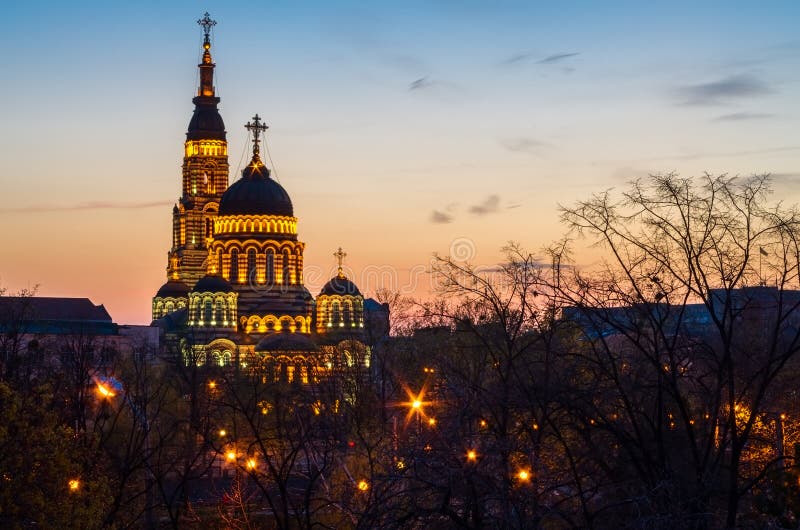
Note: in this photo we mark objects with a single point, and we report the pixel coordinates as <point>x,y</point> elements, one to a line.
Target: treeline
<point>653,390</point>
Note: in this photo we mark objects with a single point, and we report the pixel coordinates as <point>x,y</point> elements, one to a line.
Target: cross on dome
<point>256,127</point>
<point>340,255</point>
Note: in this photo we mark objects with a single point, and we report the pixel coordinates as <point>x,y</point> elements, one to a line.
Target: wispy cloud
<point>490,204</point>
<point>743,116</point>
<point>527,57</point>
<point>440,218</point>
<point>421,84</point>
<point>628,173</point>
<point>90,205</point>
<point>722,91</point>
<point>558,57</point>
<point>517,58</point>
<point>523,144</point>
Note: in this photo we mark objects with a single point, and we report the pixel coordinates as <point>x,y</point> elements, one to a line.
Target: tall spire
<point>207,65</point>
<point>256,127</point>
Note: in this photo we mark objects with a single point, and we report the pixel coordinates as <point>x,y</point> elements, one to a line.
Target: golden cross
<point>340,255</point>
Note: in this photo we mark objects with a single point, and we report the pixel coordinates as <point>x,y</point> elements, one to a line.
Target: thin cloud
<point>523,144</point>
<point>558,57</point>
<point>421,84</point>
<point>722,91</point>
<point>490,204</point>
<point>91,205</point>
<point>517,58</point>
<point>440,218</point>
<point>743,116</point>
<point>525,57</point>
<point>628,173</point>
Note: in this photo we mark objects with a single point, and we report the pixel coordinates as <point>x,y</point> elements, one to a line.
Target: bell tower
<point>205,175</point>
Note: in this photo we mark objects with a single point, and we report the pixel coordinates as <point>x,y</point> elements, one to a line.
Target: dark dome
<point>286,342</point>
<point>206,123</point>
<point>256,193</point>
<point>212,284</point>
<point>173,289</point>
<point>340,285</point>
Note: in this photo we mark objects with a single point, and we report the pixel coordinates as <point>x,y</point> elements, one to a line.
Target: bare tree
<point>686,328</point>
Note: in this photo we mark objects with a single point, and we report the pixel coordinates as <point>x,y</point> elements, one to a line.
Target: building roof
<point>41,314</point>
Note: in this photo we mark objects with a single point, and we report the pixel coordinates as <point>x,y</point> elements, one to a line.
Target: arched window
<point>208,228</point>
<point>251,265</point>
<point>219,307</point>
<point>219,262</point>
<point>226,358</point>
<point>336,315</point>
<point>270,266</point>
<point>234,266</point>
<point>169,307</point>
<point>348,313</point>
<point>287,274</point>
<point>208,311</point>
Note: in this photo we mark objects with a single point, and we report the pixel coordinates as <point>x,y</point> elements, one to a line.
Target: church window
<point>234,265</point>
<point>270,266</point>
<point>208,227</point>
<point>251,265</point>
<point>207,311</point>
<point>219,308</point>
<point>348,313</point>
<point>287,273</point>
<point>336,314</point>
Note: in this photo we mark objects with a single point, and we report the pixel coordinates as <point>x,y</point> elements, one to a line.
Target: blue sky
<point>396,127</point>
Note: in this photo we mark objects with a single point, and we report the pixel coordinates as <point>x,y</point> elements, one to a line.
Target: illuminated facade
<point>234,292</point>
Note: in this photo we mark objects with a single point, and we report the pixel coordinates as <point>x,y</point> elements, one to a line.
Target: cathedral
<point>234,294</point>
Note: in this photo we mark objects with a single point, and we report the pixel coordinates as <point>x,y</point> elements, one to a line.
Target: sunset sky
<point>399,129</point>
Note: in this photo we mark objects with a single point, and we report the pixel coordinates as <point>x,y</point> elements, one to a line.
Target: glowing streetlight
<point>212,384</point>
<point>104,390</point>
<point>523,475</point>
<point>222,432</point>
<point>251,464</point>
<point>363,485</point>
<point>472,456</point>
<point>74,485</point>
<point>231,456</point>
<point>416,404</point>
<point>432,422</point>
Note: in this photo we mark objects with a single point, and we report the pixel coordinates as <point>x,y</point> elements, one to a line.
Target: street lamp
<point>74,485</point>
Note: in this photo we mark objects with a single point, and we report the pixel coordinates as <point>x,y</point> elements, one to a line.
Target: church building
<point>234,294</point>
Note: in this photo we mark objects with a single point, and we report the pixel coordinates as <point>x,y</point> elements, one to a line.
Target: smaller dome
<point>340,285</point>
<point>173,289</point>
<point>286,342</point>
<point>212,284</point>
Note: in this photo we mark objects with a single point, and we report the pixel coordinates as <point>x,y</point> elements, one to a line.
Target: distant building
<point>235,293</point>
<point>32,326</point>
<point>755,307</point>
